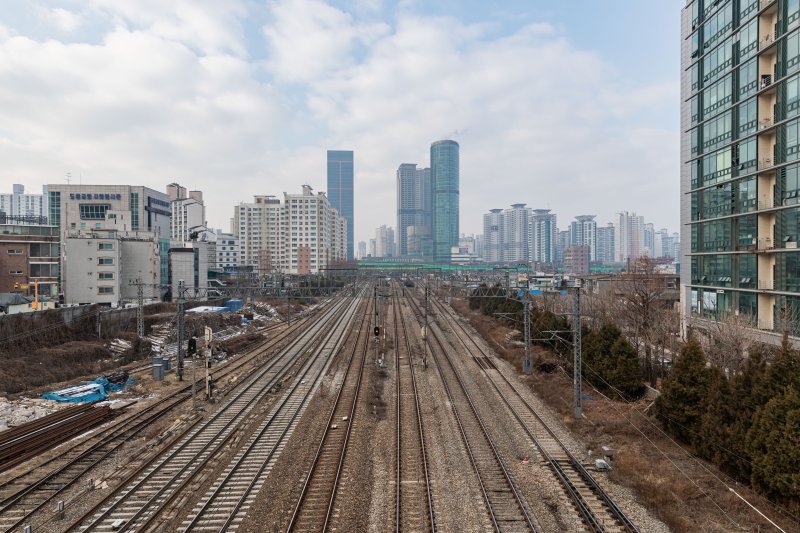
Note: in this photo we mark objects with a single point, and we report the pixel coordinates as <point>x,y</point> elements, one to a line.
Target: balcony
<point>765,123</point>
<point>765,163</point>
<point>766,81</point>
<point>765,3</point>
<point>765,324</point>
<point>766,41</point>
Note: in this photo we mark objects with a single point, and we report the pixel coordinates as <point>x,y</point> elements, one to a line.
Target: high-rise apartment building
<point>260,227</point>
<point>516,234</point>
<point>583,232</point>
<point>629,237</point>
<point>544,236</point>
<point>605,244</point>
<point>649,239</point>
<point>445,198</point>
<point>340,191</point>
<point>413,203</point>
<point>362,249</point>
<point>21,208</point>
<point>493,236</point>
<point>740,160</point>
<point>384,242</point>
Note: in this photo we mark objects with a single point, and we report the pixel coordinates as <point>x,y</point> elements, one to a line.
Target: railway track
<point>507,509</point>
<point>155,484</point>
<point>413,501</point>
<point>596,507</point>
<point>315,505</point>
<point>29,492</point>
<point>226,503</point>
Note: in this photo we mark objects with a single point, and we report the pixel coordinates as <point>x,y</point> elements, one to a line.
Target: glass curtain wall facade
<point>444,185</point>
<point>740,155</point>
<point>340,190</point>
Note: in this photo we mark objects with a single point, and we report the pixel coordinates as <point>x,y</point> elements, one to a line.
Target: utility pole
<point>288,309</point>
<point>425,329</point>
<point>139,308</point>
<point>576,345</point>
<point>180,330</point>
<point>527,363</point>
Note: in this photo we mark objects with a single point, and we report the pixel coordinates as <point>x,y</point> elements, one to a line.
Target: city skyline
<point>234,116</point>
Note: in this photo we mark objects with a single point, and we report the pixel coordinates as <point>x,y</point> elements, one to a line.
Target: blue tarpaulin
<point>96,390</point>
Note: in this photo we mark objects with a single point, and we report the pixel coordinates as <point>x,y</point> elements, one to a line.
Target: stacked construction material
<point>20,443</point>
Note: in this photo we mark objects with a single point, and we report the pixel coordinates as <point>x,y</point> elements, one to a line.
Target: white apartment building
<point>19,204</point>
<point>583,232</point>
<point>260,232</point>
<point>628,237</point>
<point>299,235</point>
<point>313,237</point>
<point>188,215</point>
<point>227,250</point>
<point>516,234</point>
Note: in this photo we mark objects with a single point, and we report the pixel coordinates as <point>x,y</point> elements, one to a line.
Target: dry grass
<point>646,462</point>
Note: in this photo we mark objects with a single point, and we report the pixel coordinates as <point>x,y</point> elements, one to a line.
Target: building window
<point>105,260</point>
<point>15,272</point>
<point>134,205</point>
<point>105,275</point>
<point>94,211</point>
<point>105,290</point>
<point>15,251</point>
<point>105,246</point>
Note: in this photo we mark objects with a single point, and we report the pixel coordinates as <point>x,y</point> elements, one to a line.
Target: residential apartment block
<point>299,235</point>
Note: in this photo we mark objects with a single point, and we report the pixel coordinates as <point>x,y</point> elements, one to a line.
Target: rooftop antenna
<point>69,177</point>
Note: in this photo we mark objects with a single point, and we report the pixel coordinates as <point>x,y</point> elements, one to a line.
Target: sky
<point>569,105</point>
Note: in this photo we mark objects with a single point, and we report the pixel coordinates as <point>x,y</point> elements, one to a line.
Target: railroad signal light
<point>377,331</point>
<point>192,349</point>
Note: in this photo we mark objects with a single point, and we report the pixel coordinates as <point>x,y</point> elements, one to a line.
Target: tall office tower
<point>544,236</point>
<point>340,190</point>
<point>605,244</point>
<point>362,249</point>
<point>516,234</point>
<point>740,161</point>
<point>493,236</point>
<point>384,241</point>
<point>413,202</point>
<point>24,208</point>
<point>444,186</point>
<point>629,237</point>
<point>583,232</point>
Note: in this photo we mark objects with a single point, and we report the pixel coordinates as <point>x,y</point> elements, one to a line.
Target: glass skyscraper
<point>740,161</point>
<point>340,190</point>
<point>444,186</point>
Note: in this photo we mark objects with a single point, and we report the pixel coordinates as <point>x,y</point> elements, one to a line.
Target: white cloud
<point>309,39</point>
<point>539,121</point>
<point>168,93</point>
<point>207,26</point>
<point>61,19</point>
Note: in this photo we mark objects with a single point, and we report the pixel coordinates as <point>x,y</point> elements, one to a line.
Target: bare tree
<point>729,340</point>
<point>640,291</point>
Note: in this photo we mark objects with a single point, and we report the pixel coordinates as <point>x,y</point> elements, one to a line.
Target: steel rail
<point>588,514</point>
<point>254,444</point>
<point>311,477</point>
<point>531,522</point>
<point>400,324</point>
<point>227,410</point>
